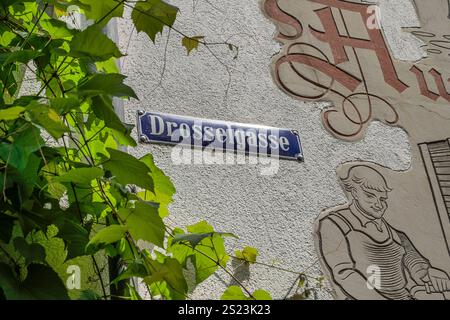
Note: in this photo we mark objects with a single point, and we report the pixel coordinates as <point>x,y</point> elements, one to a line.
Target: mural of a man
<point>356,240</point>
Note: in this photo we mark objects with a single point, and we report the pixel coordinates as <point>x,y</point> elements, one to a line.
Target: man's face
<point>372,202</point>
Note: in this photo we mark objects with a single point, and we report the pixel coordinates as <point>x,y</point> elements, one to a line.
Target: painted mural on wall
<point>391,240</point>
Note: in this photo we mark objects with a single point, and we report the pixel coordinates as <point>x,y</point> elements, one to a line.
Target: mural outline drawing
<point>330,54</point>
<point>356,237</point>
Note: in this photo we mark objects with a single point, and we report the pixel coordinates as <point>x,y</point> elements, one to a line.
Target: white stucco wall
<point>273,213</point>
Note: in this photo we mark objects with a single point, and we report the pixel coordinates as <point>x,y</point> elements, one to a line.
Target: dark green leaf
<point>135,269</point>
<point>6,226</point>
<point>249,254</point>
<point>107,84</point>
<point>81,175</point>
<point>42,283</point>
<point>234,293</point>
<point>75,237</point>
<point>105,236</point>
<point>195,238</point>
<point>13,156</point>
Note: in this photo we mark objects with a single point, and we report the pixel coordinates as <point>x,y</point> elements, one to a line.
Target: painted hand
<point>438,279</point>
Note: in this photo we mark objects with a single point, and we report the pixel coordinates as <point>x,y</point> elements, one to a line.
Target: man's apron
<point>386,255</point>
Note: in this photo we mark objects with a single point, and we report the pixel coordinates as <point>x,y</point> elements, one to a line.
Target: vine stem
<point>97,270</point>
<point>217,262</point>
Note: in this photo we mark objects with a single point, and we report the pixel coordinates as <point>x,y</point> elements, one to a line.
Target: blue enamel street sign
<point>220,135</point>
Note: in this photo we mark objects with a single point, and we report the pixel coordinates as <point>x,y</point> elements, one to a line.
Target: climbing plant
<point>71,198</point>
<point>73,202</point>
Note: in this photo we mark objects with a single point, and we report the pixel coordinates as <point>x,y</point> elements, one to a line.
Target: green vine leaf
<point>169,271</point>
<point>20,151</point>
<point>195,238</point>
<point>11,113</point>
<point>102,9</point>
<point>191,43</point>
<point>75,237</point>
<point>128,170</point>
<point>92,43</point>
<point>32,252</point>
<point>103,109</point>
<point>163,188</point>
<point>22,56</point>
<point>236,293</point>
<point>108,84</point>
<point>133,293</point>
<point>248,254</point>
<point>81,175</point>
<point>57,29</point>
<point>42,283</point>
<point>48,119</point>
<point>135,269</point>
<point>64,105</point>
<point>151,16</point>
<point>143,222</point>
<point>261,294</point>
<point>6,227</point>
<point>206,249</point>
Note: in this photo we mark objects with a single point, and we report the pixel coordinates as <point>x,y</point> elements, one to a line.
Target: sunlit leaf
<point>144,223</point>
<point>42,283</point>
<point>103,9</point>
<point>191,43</point>
<point>11,113</point>
<point>108,84</point>
<point>234,293</point>
<point>105,236</point>
<point>32,252</point>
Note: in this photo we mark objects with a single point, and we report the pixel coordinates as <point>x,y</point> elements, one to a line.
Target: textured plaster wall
<point>273,213</point>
